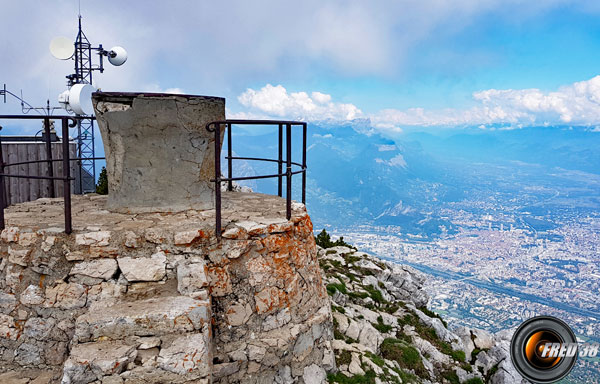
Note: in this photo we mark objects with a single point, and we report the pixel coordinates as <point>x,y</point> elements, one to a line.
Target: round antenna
<point>80,99</point>
<point>117,56</point>
<point>62,48</point>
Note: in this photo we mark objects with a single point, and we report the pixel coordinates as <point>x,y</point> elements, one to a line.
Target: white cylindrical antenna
<point>80,99</point>
<point>117,56</point>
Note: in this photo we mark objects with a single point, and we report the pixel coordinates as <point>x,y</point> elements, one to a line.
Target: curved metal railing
<point>215,127</point>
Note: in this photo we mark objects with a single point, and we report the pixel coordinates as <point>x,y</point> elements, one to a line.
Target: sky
<point>400,64</point>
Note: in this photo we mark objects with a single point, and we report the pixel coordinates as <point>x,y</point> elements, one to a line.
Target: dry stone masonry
<point>156,298</point>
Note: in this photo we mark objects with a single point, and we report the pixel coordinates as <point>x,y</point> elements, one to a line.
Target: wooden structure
<point>16,149</point>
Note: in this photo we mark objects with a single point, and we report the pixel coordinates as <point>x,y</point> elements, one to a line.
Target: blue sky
<point>401,64</point>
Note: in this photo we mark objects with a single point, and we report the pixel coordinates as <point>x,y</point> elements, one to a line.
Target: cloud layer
<point>276,101</point>
<point>575,104</point>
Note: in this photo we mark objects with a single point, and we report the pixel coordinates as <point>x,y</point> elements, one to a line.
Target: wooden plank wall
<point>21,190</point>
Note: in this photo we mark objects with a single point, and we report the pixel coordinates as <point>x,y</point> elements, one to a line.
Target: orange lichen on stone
<point>269,299</point>
<point>220,280</point>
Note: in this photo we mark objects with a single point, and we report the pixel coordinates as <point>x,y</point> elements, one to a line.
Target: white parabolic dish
<point>80,99</point>
<point>62,48</point>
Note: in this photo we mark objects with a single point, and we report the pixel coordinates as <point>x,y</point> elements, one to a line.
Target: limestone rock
<point>7,327</point>
<point>39,328</point>
<point>482,339</point>
<point>91,361</point>
<point>8,302</point>
<point>66,296</point>
<point>149,342</point>
<point>101,268</point>
<point>191,277</point>
<point>314,374</point>
<point>151,317</point>
<point>10,234</point>
<point>238,314</point>
<point>28,354</point>
<point>370,337</point>
<point>188,237</point>
<point>143,268</point>
<point>32,295</point>
<point>19,256</point>
<point>97,238</point>
<point>187,355</point>
<point>26,239</point>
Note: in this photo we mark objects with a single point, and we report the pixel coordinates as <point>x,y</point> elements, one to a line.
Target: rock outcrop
<point>384,332</point>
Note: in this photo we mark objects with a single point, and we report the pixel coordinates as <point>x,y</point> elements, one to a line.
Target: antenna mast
<point>85,127</point>
<point>77,98</point>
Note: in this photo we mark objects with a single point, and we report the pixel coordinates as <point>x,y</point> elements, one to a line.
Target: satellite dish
<point>80,99</point>
<point>117,56</point>
<point>62,48</point>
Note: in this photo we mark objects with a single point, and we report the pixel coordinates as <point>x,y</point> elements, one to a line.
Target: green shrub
<point>451,376</point>
<point>458,355</point>
<point>331,288</point>
<point>474,380</point>
<point>375,294</point>
<point>381,327</point>
<point>338,309</point>
<point>358,295</point>
<point>367,378</point>
<point>375,359</point>
<point>343,358</point>
<point>405,355</point>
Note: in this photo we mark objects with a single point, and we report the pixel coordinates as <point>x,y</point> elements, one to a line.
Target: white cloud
<point>577,104</point>
<point>262,39</point>
<point>277,101</point>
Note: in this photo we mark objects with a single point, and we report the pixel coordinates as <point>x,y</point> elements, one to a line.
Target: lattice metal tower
<point>85,127</point>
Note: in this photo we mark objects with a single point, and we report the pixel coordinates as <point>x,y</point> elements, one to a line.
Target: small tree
<point>102,186</point>
<point>323,240</point>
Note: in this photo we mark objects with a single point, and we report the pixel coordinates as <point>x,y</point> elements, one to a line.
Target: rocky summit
<point>384,332</point>
<point>158,298</point>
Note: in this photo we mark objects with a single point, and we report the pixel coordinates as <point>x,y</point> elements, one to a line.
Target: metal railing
<point>215,127</point>
<point>66,160</point>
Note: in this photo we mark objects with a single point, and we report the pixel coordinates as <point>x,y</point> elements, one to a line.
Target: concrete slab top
<point>89,214</point>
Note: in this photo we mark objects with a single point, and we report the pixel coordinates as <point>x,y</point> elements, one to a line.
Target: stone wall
<point>156,298</point>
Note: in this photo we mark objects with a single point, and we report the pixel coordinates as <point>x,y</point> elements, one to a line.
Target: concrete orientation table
<point>159,156</point>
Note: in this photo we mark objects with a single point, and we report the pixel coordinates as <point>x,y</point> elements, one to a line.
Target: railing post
<point>66,175</point>
<point>2,191</point>
<point>288,140</point>
<point>218,180</point>
<point>229,154</point>
<point>49,155</point>
<point>80,156</point>
<point>279,163</point>
<point>303,163</point>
